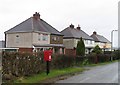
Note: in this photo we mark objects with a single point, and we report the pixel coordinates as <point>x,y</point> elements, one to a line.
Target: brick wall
<point>25,50</point>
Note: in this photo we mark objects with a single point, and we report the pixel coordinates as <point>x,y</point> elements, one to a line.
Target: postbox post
<point>47,58</point>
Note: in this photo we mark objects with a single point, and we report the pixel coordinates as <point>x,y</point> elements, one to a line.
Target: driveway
<point>99,74</point>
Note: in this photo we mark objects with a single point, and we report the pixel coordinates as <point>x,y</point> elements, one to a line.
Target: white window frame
<point>45,37</point>
<point>17,38</point>
<point>39,37</point>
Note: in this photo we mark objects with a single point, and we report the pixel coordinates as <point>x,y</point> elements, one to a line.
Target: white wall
<point>71,43</point>
<point>68,43</point>
<point>40,42</point>
<point>89,43</point>
<point>25,40</point>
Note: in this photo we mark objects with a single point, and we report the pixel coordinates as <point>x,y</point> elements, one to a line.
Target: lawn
<point>56,73</point>
<point>53,73</point>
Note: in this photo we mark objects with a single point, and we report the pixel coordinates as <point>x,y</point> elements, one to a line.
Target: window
<point>86,41</point>
<point>45,37</point>
<point>90,41</point>
<point>54,38</point>
<point>58,38</point>
<point>17,38</point>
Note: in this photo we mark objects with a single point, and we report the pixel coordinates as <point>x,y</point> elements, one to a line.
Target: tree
<point>80,50</point>
<point>97,50</point>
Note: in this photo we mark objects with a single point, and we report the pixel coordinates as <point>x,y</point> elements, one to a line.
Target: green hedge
<point>22,64</point>
<point>116,55</point>
<point>27,64</point>
<point>62,61</point>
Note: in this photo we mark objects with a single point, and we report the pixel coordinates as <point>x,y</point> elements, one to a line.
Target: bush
<point>17,64</point>
<point>91,58</point>
<point>62,61</point>
<point>103,57</point>
<point>80,50</point>
<point>116,55</point>
<point>22,64</point>
<point>79,60</point>
<point>97,50</point>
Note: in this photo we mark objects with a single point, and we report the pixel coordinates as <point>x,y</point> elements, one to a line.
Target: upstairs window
<point>54,38</point>
<point>45,37</point>
<point>17,38</point>
<point>90,41</point>
<point>58,38</point>
<point>86,41</point>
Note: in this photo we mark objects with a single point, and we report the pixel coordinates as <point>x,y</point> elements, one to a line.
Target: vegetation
<point>22,65</point>
<point>97,50</point>
<point>80,50</point>
<point>54,73</point>
<point>116,55</point>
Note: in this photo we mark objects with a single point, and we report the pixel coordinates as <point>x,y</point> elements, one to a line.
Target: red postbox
<point>47,55</point>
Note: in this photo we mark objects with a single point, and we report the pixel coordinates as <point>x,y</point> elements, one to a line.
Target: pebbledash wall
<point>19,40</point>
<point>24,41</point>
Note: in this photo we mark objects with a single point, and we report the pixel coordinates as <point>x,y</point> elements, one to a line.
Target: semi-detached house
<point>101,41</point>
<point>34,34</point>
<point>71,37</point>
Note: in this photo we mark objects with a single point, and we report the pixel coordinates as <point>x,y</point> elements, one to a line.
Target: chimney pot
<point>71,26</point>
<point>36,15</point>
<point>95,32</point>
<point>78,28</point>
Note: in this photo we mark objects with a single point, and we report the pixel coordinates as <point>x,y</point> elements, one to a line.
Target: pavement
<point>98,74</point>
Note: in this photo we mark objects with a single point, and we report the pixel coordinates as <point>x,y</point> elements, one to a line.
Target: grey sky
<point>91,15</point>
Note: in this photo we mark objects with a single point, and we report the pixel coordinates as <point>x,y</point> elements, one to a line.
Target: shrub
<point>62,61</point>
<point>22,64</point>
<point>116,55</point>
<point>97,50</point>
<point>91,58</point>
<point>17,64</point>
<point>103,57</point>
<point>79,60</point>
<point>80,50</point>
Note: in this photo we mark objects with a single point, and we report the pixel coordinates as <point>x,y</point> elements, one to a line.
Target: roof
<point>99,38</point>
<point>75,33</point>
<point>49,45</point>
<point>33,25</point>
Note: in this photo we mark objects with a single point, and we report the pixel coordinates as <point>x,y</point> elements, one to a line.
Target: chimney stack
<point>94,32</point>
<point>78,28</point>
<point>36,15</point>
<point>71,26</point>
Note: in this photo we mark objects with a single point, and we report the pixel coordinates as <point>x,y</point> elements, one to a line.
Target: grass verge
<point>103,63</point>
<point>53,73</point>
<point>39,78</point>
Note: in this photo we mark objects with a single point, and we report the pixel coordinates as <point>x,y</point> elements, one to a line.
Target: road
<point>99,74</point>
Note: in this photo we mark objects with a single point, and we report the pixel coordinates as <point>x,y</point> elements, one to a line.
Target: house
<point>101,41</point>
<point>71,37</point>
<point>34,34</point>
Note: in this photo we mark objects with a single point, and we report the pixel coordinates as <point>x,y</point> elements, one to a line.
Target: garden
<point>18,65</point>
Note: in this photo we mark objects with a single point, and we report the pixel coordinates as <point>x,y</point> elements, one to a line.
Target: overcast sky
<point>92,15</point>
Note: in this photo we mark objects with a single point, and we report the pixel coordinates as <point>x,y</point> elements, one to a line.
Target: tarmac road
<point>99,74</point>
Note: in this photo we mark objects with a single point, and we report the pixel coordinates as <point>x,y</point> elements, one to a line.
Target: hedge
<point>27,64</point>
